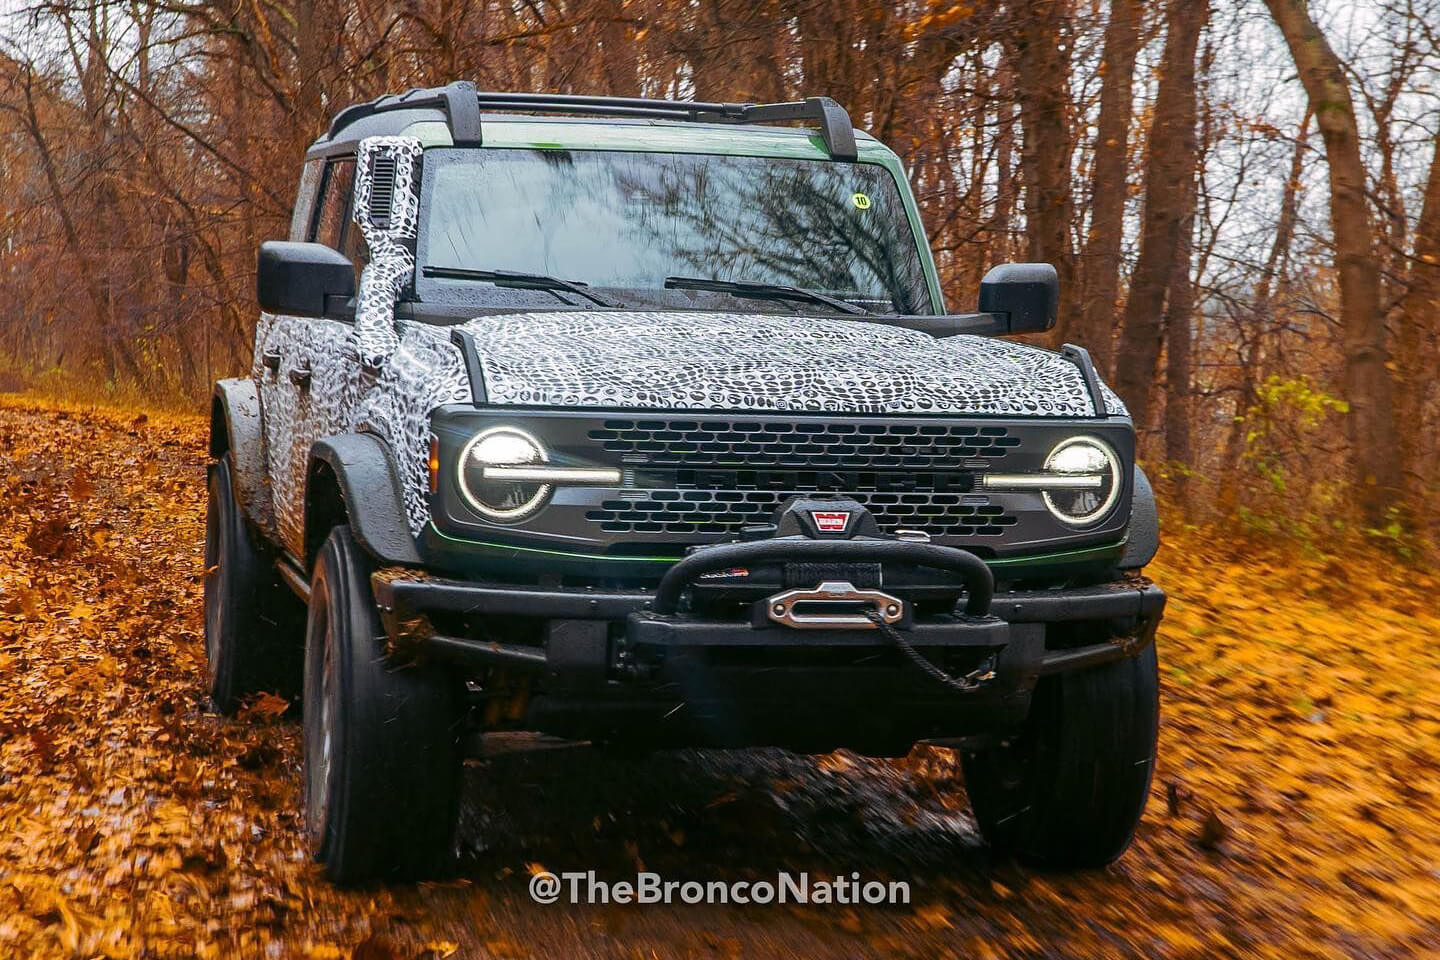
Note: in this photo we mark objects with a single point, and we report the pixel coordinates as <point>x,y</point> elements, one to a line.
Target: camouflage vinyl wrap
<point>725,361</point>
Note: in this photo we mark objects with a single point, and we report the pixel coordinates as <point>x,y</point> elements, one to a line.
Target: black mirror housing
<point>1028,294</point>
<point>302,279</point>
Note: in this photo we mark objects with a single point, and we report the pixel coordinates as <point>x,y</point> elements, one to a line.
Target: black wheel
<point>1069,790</point>
<point>382,741</point>
<point>252,622</point>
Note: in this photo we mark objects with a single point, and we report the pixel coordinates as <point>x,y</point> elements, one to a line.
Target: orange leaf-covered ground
<point>1296,809</point>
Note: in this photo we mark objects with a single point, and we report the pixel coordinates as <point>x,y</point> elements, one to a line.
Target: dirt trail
<point>1296,809</point>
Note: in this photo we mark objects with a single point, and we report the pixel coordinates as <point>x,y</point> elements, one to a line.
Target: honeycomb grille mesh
<point>725,511</point>
<point>789,453</point>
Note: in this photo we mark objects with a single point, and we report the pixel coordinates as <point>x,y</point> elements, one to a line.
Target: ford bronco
<point>643,422</point>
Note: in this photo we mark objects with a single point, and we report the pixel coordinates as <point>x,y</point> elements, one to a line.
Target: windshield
<point>627,221</point>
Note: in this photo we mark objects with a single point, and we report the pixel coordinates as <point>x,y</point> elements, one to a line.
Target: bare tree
<point>1169,207</point>
<point>1041,41</point>
<point>1109,186</point>
<point>1418,336</point>
<point>1368,387</point>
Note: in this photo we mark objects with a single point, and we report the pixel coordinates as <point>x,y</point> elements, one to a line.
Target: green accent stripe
<point>510,547</point>
<point>1065,556</point>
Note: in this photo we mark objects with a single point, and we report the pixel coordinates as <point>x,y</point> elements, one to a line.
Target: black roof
<point>460,105</point>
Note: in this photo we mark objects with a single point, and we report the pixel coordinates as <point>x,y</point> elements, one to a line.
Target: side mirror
<point>302,279</point>
<point>1028,294</point>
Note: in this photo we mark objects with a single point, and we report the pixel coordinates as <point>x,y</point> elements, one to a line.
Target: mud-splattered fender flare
<point>1144,536</point>
<point>235,429</point>
<point>362,468</point>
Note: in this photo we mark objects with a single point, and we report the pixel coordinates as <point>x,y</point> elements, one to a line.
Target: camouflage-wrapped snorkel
<point>387,206</point>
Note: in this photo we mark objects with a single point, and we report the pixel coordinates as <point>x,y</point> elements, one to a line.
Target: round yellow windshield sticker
<point>861,201</point>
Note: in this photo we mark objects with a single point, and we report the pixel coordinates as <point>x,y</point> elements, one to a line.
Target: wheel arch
<point>1143,540</point>
<point>351,479</point>
<point>236,431</point>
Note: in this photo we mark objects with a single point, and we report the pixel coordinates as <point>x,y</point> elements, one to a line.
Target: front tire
<point>252,622</point>
<point>382,741</point>
<point>1068,792</point>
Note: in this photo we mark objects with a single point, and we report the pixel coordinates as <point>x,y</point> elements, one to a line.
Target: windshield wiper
<point>763,291</point>
<point>518,281</point>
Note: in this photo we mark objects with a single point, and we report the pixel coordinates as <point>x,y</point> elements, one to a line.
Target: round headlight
<point>503,500</point>
<point>1095,470</point>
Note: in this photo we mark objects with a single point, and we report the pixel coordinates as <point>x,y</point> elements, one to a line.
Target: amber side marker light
<point>434,463</point>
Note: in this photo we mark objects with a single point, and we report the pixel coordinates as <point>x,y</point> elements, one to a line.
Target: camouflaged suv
<point>644,422</point>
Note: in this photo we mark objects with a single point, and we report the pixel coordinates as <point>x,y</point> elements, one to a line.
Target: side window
<point>334,203</point>
<point>305,200</point>
<point>353,245</point>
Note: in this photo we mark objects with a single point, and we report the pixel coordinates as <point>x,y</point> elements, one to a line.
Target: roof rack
<point>463,104</point>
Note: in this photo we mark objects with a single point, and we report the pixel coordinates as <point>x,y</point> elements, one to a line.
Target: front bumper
<point>635,665</point>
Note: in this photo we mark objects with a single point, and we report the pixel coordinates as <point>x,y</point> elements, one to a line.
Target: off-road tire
<point>1068,792</point>
<point>252,621</point>
<point>382,741</point>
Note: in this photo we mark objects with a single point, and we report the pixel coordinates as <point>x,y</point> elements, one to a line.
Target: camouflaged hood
<point>731,361</point>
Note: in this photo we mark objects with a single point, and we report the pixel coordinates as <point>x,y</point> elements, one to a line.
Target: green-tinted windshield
<point>625,220</point>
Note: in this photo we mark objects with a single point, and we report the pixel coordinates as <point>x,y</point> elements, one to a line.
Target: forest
<point>1242,198</point>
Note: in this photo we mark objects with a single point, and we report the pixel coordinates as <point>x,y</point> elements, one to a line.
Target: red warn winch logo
<point>831,521</point>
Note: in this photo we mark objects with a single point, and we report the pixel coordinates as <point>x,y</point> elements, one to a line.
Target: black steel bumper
<point>406,599</point>
<point>623,664</point>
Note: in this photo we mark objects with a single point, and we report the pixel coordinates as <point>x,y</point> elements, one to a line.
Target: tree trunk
<point>1179,315</point>
<point>827,53</point>
<point>1171,166</point>
<point>1389,198</point>
<point>999,230</point>
<point>619,64</point>
<point>1418,331</point>
<point>1100,267</point>
<point>1253,348</point>
<point>1042,86</point>
<point>309,114</point>
<point>58,197</point>
<point>1368,387</point>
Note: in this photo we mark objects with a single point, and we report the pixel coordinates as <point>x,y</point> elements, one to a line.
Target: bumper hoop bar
<point>979,581</point>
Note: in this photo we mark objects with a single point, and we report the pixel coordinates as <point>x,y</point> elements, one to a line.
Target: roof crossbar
<point>463,105</point>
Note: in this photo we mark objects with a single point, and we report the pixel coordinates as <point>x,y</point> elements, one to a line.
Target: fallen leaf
<point>1213,832</point>
<point>265,707</point>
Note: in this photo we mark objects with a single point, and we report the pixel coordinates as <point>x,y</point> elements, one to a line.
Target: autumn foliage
<point>1293,810</point>
<point>1243,201</point>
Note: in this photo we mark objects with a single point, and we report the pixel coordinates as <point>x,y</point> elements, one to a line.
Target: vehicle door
<point>301,360</point>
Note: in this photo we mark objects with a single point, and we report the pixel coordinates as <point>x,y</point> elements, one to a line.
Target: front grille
<point>712,476</point>
<point>764,443</point>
